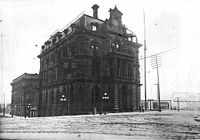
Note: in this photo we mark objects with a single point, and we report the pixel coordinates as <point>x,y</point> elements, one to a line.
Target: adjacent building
<point>25,95</point>
<point>91,66</point>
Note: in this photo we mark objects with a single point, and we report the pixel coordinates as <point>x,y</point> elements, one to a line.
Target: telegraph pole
<point>159,108</point>
<point>145,83</point>
<point>2,92</point>
<point>156,64</point>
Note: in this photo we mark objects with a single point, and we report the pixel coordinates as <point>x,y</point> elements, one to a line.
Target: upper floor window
<point>94,28</point>
<point>130,39</point>
<point>116,45</point>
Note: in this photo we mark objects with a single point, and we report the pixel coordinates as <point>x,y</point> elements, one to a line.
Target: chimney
<point>95,11</point>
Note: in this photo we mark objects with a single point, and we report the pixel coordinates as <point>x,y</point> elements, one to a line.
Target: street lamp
<point>29,108</point>
<point>94,48</point>
<point>97,46</point>
<point>105,98</point>
<point>62,100</point>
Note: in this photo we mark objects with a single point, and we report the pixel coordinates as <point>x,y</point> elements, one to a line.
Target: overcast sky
<point>169,24</point>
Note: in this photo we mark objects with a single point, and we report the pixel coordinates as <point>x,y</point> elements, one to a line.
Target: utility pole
<point>178,104</point>
<point>145,83</point>
<point>156,64</point>
<point>2,92</point>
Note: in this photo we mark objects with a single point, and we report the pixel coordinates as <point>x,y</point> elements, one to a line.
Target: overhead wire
<point>160,53</point>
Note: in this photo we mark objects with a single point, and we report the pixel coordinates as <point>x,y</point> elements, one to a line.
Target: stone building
<point>25,94</point>
<point>90,67</point>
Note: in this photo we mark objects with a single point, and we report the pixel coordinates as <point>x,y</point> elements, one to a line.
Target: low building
<point>25,94</point>
<point>153,104</point>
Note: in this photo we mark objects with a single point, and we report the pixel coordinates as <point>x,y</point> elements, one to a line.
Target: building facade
<point>89,67</point>
<point>25,95</point>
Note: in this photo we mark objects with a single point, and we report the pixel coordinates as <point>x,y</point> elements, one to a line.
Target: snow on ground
<point>154,125</point>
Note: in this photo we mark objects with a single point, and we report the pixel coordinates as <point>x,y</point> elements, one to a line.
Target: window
<point>57,97</point>
<point>52,98</point>
<point>115,45</point>
<point>73,65</point>
<point>94,28</point>
<point>108,70</point>
<point>66,64</point>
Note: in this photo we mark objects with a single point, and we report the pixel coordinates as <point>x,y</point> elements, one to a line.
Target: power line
<point>66,26</point>
<point>160,53</point>
<point>73,20</point>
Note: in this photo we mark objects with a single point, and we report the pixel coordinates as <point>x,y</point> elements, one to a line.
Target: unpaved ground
<point>148,125</point>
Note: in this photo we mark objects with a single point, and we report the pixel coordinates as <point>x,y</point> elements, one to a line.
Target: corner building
<point>90,67</point>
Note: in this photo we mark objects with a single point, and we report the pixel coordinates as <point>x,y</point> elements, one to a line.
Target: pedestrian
<point>142,109</point>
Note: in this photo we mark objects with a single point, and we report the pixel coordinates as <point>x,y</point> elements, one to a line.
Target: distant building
<point>91,66</point>
<point>25,94</point>
<point>153,104</point>
<point>186,100</point>
<point>8,109</point>
<point>1,108</point>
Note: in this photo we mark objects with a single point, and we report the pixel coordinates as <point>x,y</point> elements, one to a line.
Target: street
<point>131,125</point>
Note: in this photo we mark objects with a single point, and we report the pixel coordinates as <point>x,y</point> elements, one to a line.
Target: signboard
<point>34,108</point>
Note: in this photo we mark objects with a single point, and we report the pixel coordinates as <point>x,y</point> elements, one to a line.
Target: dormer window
<point>47,44</point>
<point>43,48</point>
<point>130,39</point>
<point>54,40</point>
<point>66,31</point>
<point>94,28</point>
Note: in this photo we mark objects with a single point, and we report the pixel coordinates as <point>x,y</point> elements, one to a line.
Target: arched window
<point>57,97</point>
<point>64,91</point>
<point>94,46</point>
<point>115,45</point>
<point>72,94</point>
<point>59,55</point>
<point>81,92</point>
<point>52,98</point>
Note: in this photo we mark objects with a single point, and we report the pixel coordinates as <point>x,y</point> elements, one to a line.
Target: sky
<point>27,24</point>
